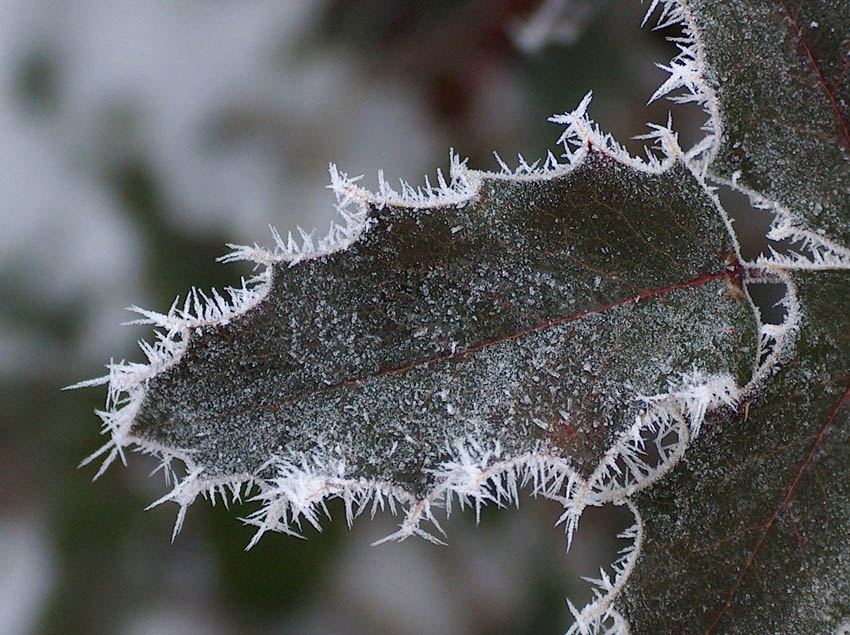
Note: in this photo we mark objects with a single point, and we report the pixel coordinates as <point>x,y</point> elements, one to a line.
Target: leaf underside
<point>512,319</point>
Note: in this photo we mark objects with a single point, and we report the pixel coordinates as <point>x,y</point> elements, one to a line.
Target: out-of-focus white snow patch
<point>63,242</point>
<point>26,574</point>
<point>553,22</point>
<point>237,120</point>
<point>175,619</point>
<point>398,587</point>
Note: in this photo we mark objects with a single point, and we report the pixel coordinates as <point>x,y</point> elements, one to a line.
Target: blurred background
<point>136,138</point>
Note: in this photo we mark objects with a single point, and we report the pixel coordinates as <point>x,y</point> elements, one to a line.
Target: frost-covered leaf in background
<point>781,72</point>
<point>750,531</point>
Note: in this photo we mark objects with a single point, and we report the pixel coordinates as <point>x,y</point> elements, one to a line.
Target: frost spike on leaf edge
<point>809,252</point>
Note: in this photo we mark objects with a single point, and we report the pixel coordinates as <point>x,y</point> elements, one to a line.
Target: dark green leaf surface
<point>749,533</point>
<point>781,70</point>
<point>510,320</point>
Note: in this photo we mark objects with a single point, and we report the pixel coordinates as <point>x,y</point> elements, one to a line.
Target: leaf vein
<point>789,493</point>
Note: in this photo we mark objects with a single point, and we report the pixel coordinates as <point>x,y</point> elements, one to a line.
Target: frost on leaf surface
<point>749,532</point>
<point>528,321</point>
<point>781,73</point>
<point>754,520</point>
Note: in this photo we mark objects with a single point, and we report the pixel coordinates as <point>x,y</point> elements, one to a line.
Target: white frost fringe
<point>474,475</point>
<point>807,250</point>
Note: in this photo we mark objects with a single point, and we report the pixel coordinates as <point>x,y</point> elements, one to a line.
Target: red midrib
<point>830,93</point>
<point>789,493</point>
<point>735,274</point>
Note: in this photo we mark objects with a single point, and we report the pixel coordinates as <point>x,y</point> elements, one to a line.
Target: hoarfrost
<point>565,325</point>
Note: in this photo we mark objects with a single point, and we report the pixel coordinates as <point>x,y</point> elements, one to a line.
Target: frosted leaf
<point>779,70</point>
<point>572,327</point>
<point>755,521</point>
<point>524,324</point>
